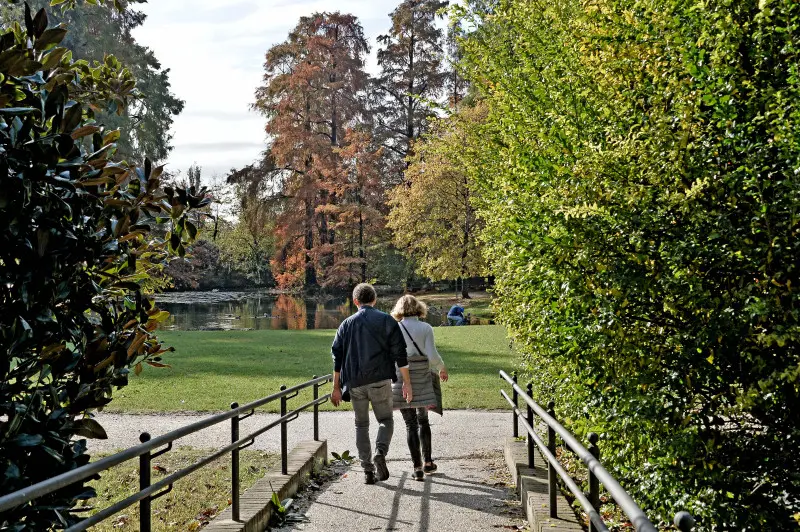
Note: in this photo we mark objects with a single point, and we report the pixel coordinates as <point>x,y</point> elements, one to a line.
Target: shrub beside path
<point>468,492</point>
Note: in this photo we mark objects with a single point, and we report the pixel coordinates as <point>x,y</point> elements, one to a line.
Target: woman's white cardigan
<point>423,334</point>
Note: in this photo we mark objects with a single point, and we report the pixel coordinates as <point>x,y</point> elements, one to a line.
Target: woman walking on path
<point>426,368</point>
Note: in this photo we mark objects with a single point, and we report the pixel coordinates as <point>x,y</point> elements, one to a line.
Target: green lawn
<point>211,369</point>
<point>195,499</point>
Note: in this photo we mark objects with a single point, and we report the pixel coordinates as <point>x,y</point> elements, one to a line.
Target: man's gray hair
<point>365,294</point>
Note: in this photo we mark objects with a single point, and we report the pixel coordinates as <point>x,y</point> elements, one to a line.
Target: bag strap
<point>420,351</point>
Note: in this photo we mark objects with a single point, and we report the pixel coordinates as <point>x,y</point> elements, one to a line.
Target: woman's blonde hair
<point>408,306</point>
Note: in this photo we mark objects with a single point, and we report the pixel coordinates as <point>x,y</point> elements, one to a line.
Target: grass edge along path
<point>194,501</point>
<point>211,369</point>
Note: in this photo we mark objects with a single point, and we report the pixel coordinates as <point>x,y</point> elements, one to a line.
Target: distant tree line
<point>342,143</point>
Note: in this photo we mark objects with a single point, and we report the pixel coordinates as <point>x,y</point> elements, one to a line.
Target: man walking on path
<point>365,351</point>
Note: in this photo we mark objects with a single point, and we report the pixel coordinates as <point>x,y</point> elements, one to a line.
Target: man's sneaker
<point>430,468</point>
<point>380,467</point>
<point>369,477</point>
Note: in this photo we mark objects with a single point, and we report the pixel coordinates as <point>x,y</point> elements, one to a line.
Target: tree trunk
<point>361,254</point>
<point>465,289</point>
<point>410,102</point>
<point>332,226</point>
<point>311,272</point>
<point>465,244</point>
<point>308,223</point>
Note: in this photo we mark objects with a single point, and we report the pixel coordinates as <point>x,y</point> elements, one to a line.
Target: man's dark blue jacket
<point>367,346</point>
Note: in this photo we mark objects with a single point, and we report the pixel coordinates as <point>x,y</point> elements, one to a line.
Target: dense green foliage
<point>642,204</point>
<point>210,369</point>
<point>75,251</point>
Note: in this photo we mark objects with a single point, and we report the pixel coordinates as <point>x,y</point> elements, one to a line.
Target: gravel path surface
<point>468,492</point>
<point>456,434</point>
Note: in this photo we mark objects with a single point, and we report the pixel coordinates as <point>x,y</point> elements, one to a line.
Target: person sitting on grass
<point>455,316</point>
<point>426,368</point>
<point>367,348</point>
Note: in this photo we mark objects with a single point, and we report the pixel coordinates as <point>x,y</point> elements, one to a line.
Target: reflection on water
<point>237,311</point>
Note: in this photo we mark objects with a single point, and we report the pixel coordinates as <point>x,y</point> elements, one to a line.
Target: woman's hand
<point>443,374</point>
<point>407,393</point>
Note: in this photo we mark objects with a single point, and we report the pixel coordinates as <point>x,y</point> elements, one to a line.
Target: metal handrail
<point>144,449</point>
<point>594,516</point>
<point>596,469</point>
<point>579,495</point>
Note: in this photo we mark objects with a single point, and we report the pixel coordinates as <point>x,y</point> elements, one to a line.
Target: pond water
<point>263,310</point>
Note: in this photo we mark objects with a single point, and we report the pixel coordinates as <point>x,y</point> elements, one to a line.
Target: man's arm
<point>397,344</point>
<point>337,352</point>
<point>336,393</point>
<point>397,348</point>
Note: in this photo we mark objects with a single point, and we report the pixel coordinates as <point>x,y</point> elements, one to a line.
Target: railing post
<point>316,410</point>
<point>684,522</point>
<point>235,466</point>
<point>144,483</point>
<point>551,471</point>
<point>594,485</point>
<point>531,462</point>
<point>515,396</point>
<point>284,449</point>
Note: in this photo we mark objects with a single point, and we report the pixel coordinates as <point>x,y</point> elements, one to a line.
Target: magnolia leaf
<point>50,37</point>
<point>89,428</point>
<point>27,440</point>
<point>84,131</point>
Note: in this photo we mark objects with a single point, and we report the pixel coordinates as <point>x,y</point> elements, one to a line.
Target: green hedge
<point>642,197</point>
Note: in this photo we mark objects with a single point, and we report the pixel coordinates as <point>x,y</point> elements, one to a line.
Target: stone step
<point>255,504</point>
<point>532,487</point>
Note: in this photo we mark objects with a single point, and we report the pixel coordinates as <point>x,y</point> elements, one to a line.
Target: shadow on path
<point>465,496</point>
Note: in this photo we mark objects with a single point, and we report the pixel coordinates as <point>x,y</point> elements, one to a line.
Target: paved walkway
<point>465,494</point>
<point>469,492</point>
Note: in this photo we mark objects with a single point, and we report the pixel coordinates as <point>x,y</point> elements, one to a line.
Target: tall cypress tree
<point>312,93</point>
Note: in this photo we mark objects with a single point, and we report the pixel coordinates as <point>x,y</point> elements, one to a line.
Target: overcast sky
<point>215,51</point>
